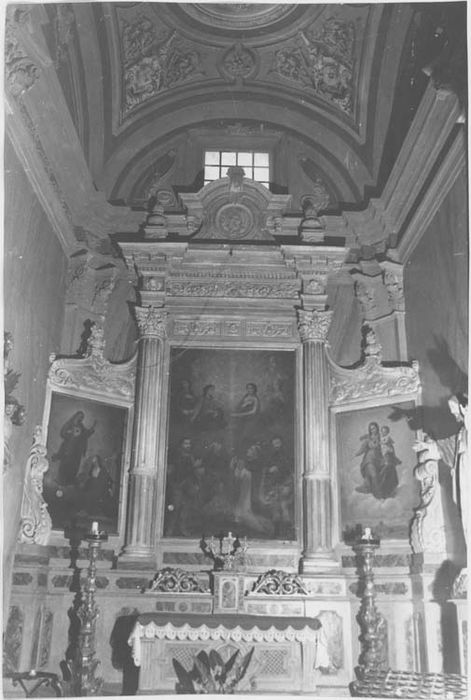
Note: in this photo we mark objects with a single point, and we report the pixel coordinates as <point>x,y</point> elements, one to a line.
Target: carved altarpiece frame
<point>108,389</point>
<point>361,398</point>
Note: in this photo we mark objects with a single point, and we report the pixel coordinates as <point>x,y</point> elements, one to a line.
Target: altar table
<point>287,650</point>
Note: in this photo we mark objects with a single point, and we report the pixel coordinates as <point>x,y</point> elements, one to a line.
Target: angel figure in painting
<point>378,464</point>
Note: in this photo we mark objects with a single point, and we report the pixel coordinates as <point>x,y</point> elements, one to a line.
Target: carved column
<point>317,499</point>
<point>151,321</point>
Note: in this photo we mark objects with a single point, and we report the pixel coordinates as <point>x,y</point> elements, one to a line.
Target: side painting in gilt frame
<point>231,443</point>
<point>86,451</point>
<point>375,468</point>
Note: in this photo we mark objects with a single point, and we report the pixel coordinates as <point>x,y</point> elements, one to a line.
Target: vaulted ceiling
<point>101,97</point>
<point>138,75</point>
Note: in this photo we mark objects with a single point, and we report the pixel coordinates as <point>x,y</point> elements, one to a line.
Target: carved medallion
<point>235,221</point>
<point>239,63</point>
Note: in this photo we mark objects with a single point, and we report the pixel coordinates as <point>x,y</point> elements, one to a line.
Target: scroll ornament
<point>275,582</point>
<point>152,321</point>
<point>36,522</point>
<point>428,527</point>
<point>94,372</point>
<point>170,580</point>
<point>314,325</point>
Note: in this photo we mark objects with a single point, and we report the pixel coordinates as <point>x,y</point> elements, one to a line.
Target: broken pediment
<point>235,208</point>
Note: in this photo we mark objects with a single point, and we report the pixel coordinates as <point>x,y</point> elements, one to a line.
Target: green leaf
<point>230,662</point>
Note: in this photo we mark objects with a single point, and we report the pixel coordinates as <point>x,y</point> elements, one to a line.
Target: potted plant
<point>210,674</point>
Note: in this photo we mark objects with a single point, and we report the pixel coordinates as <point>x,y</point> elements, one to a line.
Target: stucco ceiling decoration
<point>160,53</point>
<point>153,61</point>
<point>321,59</point>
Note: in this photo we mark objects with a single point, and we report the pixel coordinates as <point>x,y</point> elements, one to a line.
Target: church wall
<point>436,283</point>
<point>34,290</point>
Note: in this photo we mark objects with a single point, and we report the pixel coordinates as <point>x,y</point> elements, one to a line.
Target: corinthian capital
<point>314,325</point>
<point>151,321</point>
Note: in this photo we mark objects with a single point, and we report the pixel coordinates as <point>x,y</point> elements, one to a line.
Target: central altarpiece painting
<point>230,459</point>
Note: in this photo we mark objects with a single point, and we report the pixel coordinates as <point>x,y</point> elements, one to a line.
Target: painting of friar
<point>375,466</point>
<point>84,444</point>
<point>230,459</point>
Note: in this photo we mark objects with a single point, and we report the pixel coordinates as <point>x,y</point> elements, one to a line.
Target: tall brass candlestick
<point>85,664</point>
<point>369,618</point>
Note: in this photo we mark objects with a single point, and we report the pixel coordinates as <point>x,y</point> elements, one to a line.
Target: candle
<point>95,530</point>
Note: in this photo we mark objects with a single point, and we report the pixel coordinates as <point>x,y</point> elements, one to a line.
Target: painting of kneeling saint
<point>84,447</point>
<point>376,470</point>
<point>230,459</point>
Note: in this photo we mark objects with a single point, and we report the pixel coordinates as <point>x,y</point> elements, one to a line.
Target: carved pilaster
<point>36,525</point>
<point>146,438</point>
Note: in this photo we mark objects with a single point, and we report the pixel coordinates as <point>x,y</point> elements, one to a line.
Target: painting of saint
<point>375,462</point>
<point>85,450</point>
<point>230,457</point>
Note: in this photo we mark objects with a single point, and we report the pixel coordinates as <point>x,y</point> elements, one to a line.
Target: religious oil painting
<point>230,459</point>
<point>376,469</point>
<point>85,451</point>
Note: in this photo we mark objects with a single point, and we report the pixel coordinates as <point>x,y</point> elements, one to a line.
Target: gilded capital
<point>314,325</point>
<point>151,321</point>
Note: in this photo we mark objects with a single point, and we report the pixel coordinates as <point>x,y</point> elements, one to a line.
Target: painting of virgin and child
<point>375,463</point>
<point>230,461</point>
<point>84,448</point>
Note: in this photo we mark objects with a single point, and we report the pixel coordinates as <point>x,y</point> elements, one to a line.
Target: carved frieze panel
<point>234,328</point>
<point>234,288</point>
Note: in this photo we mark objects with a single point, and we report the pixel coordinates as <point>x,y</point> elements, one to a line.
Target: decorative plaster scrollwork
<point>314,325</point>
<point>366,297</point>
<point>151,321</point>
<point>171,580</point>
<point>322,61</point>
<point>21,72</point>
<point>395,291</point>
<point>428,526</point>
<point>151,63</point>
<point>94,372</point>
<point>372,380</point>
<point>36,523</point>
<point>276,582</point>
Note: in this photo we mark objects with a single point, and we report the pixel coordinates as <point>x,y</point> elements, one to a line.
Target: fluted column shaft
<point>140,519</point>
<point>317,497</point>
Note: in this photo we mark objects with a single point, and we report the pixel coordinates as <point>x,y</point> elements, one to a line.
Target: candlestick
<point>84,663</point>
<point>369,619</point>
